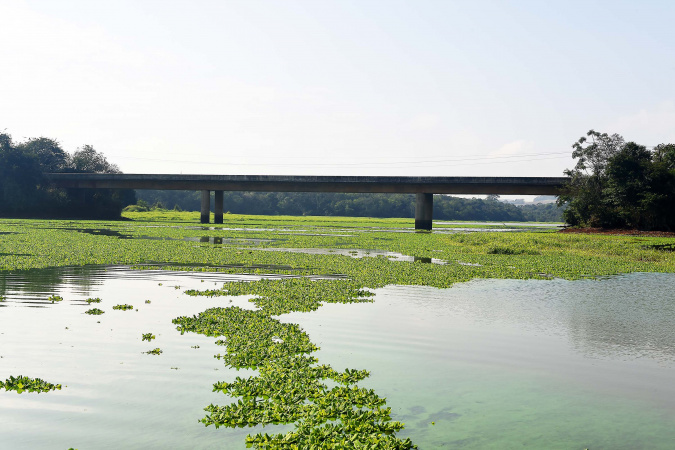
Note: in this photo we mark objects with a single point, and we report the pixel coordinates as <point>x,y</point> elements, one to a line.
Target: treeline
<point>355,205</point>
<point>619,184</point>
<point>25,191</point>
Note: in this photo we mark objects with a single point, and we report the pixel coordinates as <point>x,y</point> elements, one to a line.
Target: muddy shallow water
<point>485,364</point>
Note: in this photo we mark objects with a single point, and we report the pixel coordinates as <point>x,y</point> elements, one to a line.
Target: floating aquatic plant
<point>147,337</point>
<point>93,300</point>
<point>290,387</point>
<point>94,312</point>
<point>22,384</point>
<point>55,298</point>
<point>154,351</point>
<point>123,307</point>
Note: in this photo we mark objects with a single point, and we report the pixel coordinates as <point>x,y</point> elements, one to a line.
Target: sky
<point>419,88</point>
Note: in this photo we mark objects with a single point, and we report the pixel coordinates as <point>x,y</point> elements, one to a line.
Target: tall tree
<point>620,184</point>
<point>86,159</point>
<point>47,152</point>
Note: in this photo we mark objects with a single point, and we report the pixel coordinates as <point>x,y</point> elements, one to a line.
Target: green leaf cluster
<point>123,307</point>
<point>147,337</point>
<point>22,384</point>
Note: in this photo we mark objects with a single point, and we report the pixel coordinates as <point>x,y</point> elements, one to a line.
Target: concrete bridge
<point>424,187</point>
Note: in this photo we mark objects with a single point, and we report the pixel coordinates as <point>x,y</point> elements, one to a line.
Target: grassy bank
<point>174,238</point>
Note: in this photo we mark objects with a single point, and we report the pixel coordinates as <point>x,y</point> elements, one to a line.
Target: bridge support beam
<point>424,209</point>
<point>206,206</point>
<point>218,207</point>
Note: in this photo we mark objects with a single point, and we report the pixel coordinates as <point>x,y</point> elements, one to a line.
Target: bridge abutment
<point>206,206</point>
<point>424,210</point>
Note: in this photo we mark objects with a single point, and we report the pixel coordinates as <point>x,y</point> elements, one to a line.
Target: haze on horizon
<point>426,88</point>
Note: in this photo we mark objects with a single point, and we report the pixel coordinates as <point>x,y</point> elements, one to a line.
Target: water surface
<point>486,364</point>
<point>516,363</point>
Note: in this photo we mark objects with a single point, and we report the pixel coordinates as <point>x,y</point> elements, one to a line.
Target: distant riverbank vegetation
<point>352,205</point>
<point>26,192</point>
<point>615,184</point>
<point>619,184</point>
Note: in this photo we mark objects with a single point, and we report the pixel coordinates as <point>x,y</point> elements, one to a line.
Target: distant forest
<point>356,205</point>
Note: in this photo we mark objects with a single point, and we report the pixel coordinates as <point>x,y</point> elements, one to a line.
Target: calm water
<point>492,363</point>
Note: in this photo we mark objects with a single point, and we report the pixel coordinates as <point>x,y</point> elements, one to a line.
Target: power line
<point>312,156</point>
<point>454,159</point>
<point>452,162</point>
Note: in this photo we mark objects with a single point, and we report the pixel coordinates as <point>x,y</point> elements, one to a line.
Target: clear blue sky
<point>337,87</point>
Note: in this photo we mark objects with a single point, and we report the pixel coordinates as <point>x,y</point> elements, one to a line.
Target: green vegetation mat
<point>327,406</point>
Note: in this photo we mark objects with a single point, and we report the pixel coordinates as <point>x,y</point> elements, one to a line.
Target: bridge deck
<point>424,187</point>
<point>283,183</point>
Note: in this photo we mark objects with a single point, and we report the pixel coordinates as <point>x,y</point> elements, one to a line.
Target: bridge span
<point>424,187</point>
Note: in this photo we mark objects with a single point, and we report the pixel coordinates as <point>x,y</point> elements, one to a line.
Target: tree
<point>665,154</point>
<point>620,184</point>
<point>88,160</point>
<point>25,191</point>
<point>20,177</point>
<point>628,185</point>
<point>47,152</point>
<point>583,193</point>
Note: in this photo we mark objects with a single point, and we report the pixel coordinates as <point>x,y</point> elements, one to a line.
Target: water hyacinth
<point>22,384</point>
<point>147,337</point>
<point>290,387</point>
<point>123,307</point>
<point>55,298</point>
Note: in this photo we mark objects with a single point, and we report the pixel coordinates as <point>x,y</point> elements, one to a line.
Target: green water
<point>516,364</point>
<point>493,363</point>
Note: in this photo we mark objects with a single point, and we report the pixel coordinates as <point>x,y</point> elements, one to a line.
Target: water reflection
<point>33,287</point>
<point>230,241</point>
<point>358,253</point>
<point>628,316</point>
<point>631,316</point>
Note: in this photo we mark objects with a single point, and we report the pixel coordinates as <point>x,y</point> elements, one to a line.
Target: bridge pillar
<point>424,208</point>
<point>218,207</point>
<point>206,206</point>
